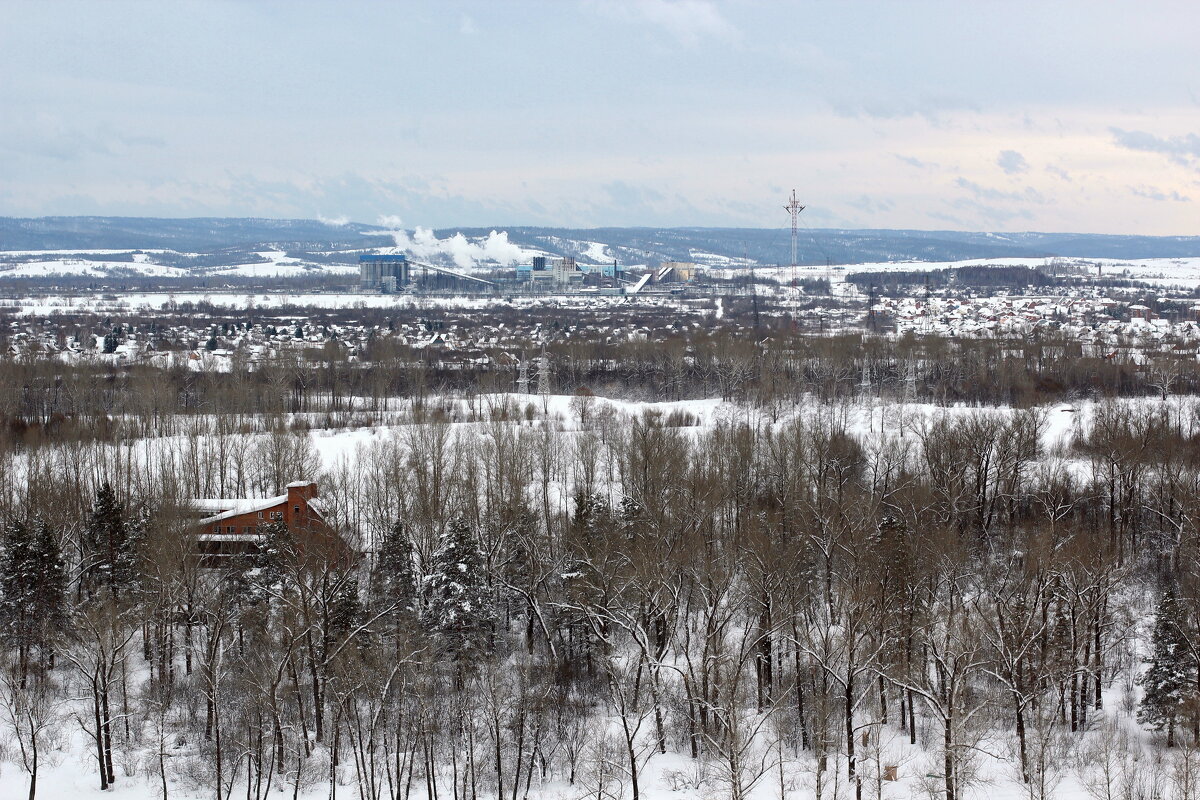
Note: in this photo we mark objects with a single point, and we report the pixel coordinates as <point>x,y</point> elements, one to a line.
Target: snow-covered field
<point>1181,272</point>
<point>1163,271</point>
<point>146,263</point>
<point>279,265</point>
<point>48,305</point>
<point>79,267</point>
<point>153,301</point>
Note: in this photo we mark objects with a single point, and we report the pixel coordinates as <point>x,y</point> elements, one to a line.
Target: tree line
<point>340,384</point>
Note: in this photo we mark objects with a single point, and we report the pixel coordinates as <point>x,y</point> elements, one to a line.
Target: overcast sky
<point>1005,116</point>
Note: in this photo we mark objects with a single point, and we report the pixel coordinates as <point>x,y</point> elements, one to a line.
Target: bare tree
<point>35,716</point>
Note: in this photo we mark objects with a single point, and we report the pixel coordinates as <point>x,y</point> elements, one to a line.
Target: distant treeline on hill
<point>984,277</point>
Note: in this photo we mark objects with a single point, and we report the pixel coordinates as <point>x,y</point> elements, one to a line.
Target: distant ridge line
<point>627,244</point>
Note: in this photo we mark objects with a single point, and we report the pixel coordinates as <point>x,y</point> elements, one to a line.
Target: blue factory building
<point>382,273</point>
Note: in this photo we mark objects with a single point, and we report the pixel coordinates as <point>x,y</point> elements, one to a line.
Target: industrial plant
<point>396,273</point>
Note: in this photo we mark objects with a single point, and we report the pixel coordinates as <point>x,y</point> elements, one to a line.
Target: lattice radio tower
<point>794,208</point>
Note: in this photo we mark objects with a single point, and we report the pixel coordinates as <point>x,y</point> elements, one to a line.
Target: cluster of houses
<point>447,342</point>
<point>495,335</point>
<point>1084,319</point>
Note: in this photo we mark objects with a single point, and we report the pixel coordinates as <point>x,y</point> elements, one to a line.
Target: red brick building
<point>231,527</point>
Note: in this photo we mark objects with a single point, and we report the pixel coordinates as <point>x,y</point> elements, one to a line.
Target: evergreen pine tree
<point>1168,679</point>
<point>518,570</point>
<point>458,605</point>
<point>587,517</point>
<point>632,517</point>
<point>252,579</point>
<point>32,590</point>
<point>395,582</point>
<point>16,590</point>
<point>591,518</point>
<point>51,573</point>
<point>519,530</point>
<point>127,568</point>
<point>110,560</point>
<point>262,573</point>
<point>345,607</point>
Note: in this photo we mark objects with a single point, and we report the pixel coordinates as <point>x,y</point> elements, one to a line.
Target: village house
<point>228,528</point>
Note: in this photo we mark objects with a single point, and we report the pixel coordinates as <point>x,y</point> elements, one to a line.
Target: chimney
<point>301,490</point>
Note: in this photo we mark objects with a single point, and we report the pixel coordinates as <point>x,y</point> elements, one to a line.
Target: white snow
<point>86,268</point>
<point>1184,272</point>
<point>596,252</point>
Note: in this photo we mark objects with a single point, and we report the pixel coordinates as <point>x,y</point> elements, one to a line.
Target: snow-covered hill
<point>252,249</point>
<point>218,245</point>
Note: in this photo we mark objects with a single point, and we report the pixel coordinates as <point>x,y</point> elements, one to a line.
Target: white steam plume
<point>422,243</point>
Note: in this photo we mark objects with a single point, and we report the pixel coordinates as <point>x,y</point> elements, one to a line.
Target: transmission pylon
<point>543,374</point>
<point>794,208</point>
<point>523,375</point>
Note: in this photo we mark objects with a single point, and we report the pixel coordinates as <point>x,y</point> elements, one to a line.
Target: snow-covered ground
<point>279,264</point>
<point>1183,272</point>
<point>93,251</point>
<point>132,301</point>
<point>596,252</point>
<point>717,260</point>
<point>146,263</point>
<point>48,305</point>
<point>67,265</point>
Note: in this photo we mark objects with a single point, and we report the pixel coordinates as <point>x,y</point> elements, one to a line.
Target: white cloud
<point>688,21</point>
